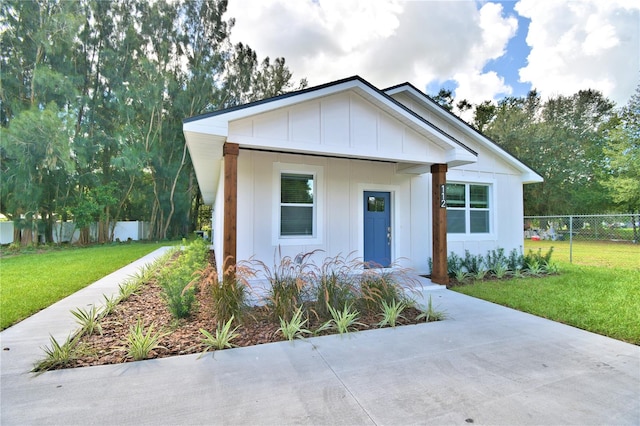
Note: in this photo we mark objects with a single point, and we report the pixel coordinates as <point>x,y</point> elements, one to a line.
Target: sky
<point>481,50</point>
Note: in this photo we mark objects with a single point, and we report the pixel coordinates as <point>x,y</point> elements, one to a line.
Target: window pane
<point>455,222</point>
<point>375,204</point>
<point>479,221</point>
<point>296,220</point>
<point>479,195</point>
<point>296,189</point>
<point>455,195</point>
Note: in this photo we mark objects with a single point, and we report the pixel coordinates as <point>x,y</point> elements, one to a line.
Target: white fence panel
<point>6,232</point>
<point>66,232</point>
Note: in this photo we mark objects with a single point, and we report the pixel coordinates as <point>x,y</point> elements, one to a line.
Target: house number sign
<point>443,197</point>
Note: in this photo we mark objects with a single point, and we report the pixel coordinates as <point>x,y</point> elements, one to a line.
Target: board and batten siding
<point>340,124</point>
<point>343,184</point>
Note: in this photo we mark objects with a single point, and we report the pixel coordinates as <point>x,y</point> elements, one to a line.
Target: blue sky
<point>480,49</point>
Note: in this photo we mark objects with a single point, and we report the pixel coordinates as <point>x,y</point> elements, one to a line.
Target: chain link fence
<point>613,228</point>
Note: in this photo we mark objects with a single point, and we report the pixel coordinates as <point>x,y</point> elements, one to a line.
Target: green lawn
<point>603,297</point>
<point>32,281</point>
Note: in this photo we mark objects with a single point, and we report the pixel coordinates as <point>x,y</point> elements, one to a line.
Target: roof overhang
<point>206,134</point>
<point>527,174</point>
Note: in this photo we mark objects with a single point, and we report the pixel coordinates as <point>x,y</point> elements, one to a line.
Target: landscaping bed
<point>178,306</point>
<point>184,336</point>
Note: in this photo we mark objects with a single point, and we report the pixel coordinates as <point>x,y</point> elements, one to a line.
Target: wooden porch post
<point>230,152</point>
<point>439,273</point>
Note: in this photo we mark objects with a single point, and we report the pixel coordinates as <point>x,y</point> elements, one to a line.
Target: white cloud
<point>583,44</point>
<point>384,41</point>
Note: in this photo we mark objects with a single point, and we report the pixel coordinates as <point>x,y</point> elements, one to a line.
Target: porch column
<point>230,152</point>
<point>439,273</point>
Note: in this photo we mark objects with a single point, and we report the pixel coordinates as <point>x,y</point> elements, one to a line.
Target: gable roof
<point>528,174</point>
<point>206,134</point>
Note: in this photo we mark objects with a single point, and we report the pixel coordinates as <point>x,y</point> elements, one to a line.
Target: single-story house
<point>345,167</point>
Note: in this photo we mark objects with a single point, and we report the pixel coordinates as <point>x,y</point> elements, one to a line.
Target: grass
<point>603,297</point>
<point>591,253</point>
<point>32,281</point>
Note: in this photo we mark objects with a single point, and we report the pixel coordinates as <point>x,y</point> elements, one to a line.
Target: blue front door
<point>377,228</point>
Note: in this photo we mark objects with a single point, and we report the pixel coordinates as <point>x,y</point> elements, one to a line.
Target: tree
<point>562,139</point>
<point>622,151</point>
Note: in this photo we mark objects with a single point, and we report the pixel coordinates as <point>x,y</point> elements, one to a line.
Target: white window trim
<point>493,213</point>
<point>318,204</point>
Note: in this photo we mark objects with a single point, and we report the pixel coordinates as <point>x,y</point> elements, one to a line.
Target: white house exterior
<point>348,168</point>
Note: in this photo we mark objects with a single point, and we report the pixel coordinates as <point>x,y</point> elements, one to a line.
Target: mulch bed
<point>184,336</point>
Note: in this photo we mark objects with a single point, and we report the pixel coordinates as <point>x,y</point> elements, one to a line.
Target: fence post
<point>570,239</point>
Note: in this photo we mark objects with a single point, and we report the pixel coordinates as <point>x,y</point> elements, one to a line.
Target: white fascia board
<point>528,175</point>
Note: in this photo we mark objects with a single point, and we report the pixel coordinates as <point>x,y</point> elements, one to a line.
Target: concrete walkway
<point>486,364</point>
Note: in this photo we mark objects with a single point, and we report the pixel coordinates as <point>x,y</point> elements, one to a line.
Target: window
<point>297,204</point>
<point>468,209</point>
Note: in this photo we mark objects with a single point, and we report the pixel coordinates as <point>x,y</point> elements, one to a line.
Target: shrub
<point>378,287</point>
<point>229,295</point>
<point>291,284</point>
<point>334,284</point>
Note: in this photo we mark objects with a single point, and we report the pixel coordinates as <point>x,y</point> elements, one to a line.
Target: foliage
<point>222,339</point>
<point>176,280</point>
<point>57,355</point>
<point>230,294</point>
<point>139,343</point>
<point>623,153</point>
<point>391,313</point>
<point>88,319</point>
<point>294,328</point>
<point>343,321</point>
<point>431,314</point>
<point>92,97</point>
<point>496,264</point>
<point>562,138</point>
<point>335,284</point>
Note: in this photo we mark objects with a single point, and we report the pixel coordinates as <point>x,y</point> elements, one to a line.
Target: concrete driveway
<point>485,364</point>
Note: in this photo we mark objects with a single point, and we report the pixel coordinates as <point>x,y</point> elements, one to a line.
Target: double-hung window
<point>468,208</point>
<point>297,204</point>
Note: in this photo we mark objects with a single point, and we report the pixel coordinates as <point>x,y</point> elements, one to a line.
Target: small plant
<point>472,263</point>
<point>500,270</point>
<point>57,355</point>
<point>89,320</point>
<point>139,344</point>
<point>222,339</point>
<point>391,313</point>
<point>294,328</point>
<point>461,275</point>
<point>431,314</point>
<point>480,274</point>
<point>343,321</point>
<point>535,268</point>
<point>108,305</point>
<point>128,288</point>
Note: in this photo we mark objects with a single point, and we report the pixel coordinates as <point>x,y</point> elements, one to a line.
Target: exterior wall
<point>340,208</point>
<point>506,190</point>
